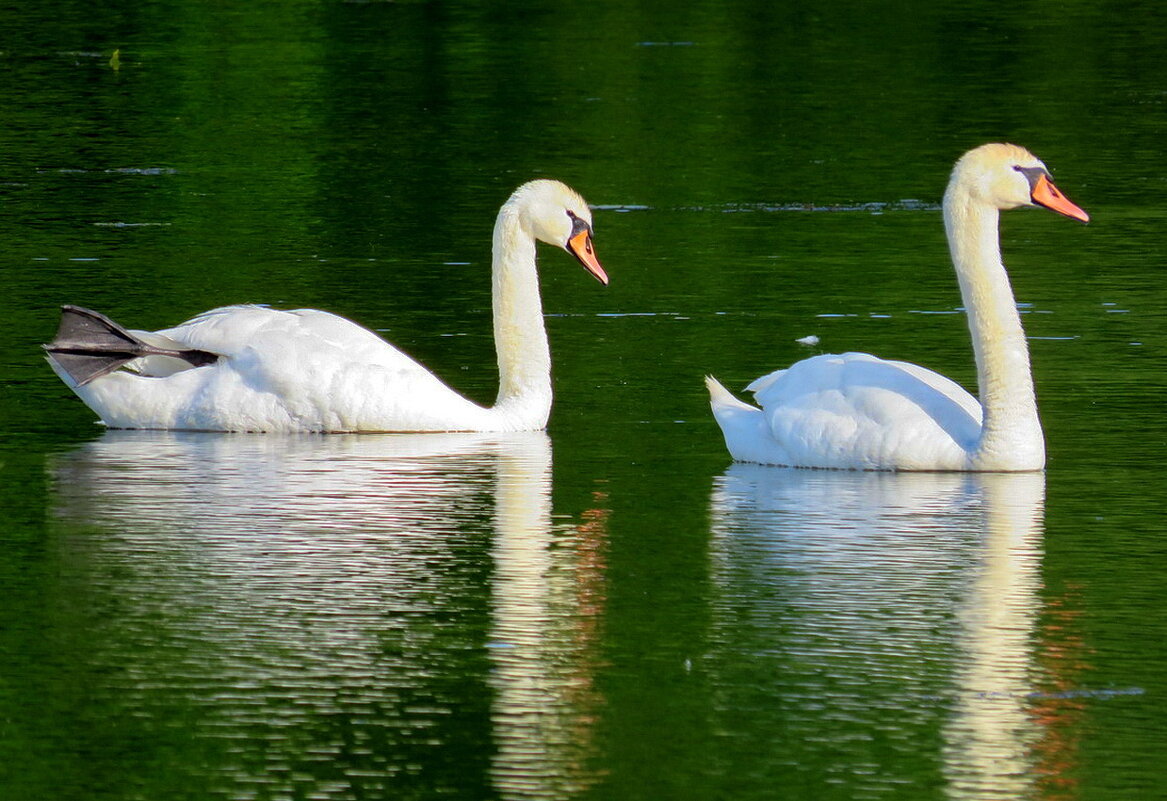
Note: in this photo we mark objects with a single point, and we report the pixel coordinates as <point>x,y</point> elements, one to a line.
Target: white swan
<point>856,411</point>
<point>250,368</point>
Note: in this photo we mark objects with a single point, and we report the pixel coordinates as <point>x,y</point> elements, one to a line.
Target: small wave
<point>621,208</point>
<point>1102,694</point>
<point>110,171</point>
<point>870,207</point>
<point>129,224</point>
<point>144,170</point>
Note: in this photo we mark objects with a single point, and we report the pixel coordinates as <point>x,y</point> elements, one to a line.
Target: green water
<point>610,611</point>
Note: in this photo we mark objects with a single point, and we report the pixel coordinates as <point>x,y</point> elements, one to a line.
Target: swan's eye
<point>578,225</point>
<point>1032,174</point>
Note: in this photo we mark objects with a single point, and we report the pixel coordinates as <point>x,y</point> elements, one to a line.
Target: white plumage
<point>856,411</point>
<point>308,370</point>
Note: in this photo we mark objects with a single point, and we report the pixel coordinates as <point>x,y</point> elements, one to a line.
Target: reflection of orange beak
<point>1046,194</point>
<point>580,246</point>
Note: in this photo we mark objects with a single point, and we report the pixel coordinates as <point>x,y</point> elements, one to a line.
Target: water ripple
<point>879,602</point>
<point>324,615</point>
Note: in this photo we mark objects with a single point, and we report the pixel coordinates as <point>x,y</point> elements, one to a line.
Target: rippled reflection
<point>990,740</point>
<point>333,617</point>
<point>862,615</point>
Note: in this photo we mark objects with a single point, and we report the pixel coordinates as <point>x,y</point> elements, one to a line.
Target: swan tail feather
<point>89,345</point>
<point>721,397</point>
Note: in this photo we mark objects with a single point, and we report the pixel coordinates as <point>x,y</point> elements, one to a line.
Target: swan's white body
<point>856,411</point>
<point>309,370</point>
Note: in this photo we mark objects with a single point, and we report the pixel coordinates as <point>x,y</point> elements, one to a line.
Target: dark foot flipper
<point>89,345</point>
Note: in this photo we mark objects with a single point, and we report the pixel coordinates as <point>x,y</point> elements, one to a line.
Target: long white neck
<point>1011,437</point>
<point>524,360</point>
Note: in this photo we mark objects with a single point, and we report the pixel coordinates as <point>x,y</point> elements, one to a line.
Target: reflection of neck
<point>525,692</point>
<point>522,519</point>
<point>1011,437</point>
<point>986,753</point>
<point>541,712</point>
<point>524,361</point>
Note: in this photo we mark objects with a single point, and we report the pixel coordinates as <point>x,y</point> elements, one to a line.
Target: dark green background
<point>761,172</point>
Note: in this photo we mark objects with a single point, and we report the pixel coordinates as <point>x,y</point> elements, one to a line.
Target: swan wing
<point>858,411</point>
<point>301,370</point>
<point>300,346</point>
<point>302,333</point>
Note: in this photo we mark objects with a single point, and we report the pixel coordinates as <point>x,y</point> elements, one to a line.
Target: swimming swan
<point>251,368</point>
<point>856,411</point>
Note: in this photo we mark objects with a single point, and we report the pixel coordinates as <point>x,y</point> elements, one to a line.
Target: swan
<point>856,411</point>
<point>253,368</point>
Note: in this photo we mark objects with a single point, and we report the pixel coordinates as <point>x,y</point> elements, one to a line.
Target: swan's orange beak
<point>580,246</point>
<point>1046,194</point>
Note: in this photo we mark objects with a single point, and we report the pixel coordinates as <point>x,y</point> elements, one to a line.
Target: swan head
<point>556,214</point>
<point>1010,177</point>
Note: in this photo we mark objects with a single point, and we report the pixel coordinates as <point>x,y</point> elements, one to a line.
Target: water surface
<point>610,610</point>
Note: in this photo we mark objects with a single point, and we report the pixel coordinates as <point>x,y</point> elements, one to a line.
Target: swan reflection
<point>878,608</point>
<point>345,611</point>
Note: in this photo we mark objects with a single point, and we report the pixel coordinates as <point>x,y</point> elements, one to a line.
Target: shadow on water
<point>324,616</point>
<point>901,609</point>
